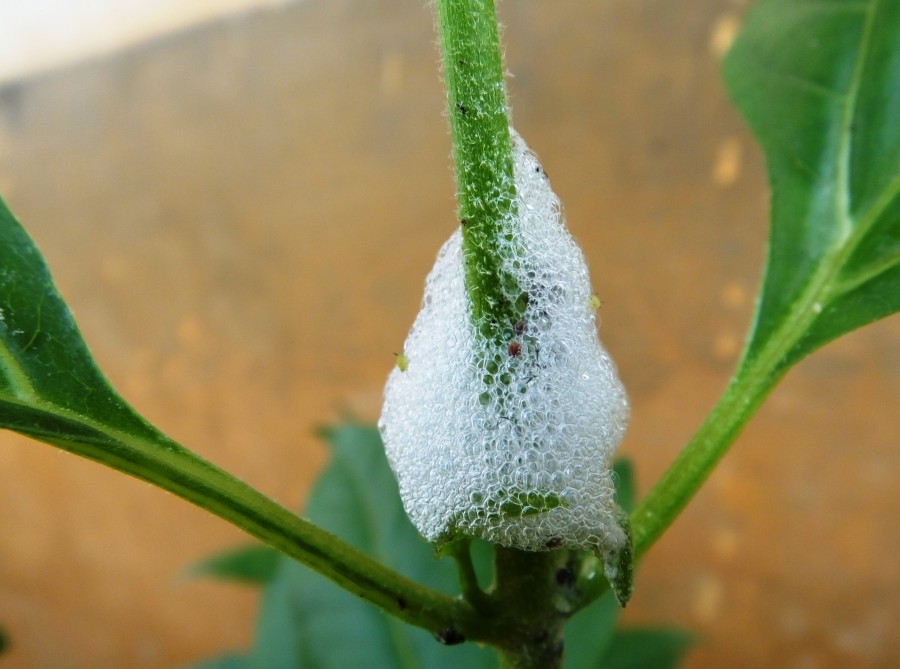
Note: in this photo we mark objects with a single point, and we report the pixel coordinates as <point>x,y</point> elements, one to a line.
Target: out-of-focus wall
<point>242,218</point>
<point>37,35</point>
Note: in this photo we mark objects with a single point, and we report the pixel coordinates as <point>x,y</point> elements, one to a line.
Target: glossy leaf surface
<point>819,83</point>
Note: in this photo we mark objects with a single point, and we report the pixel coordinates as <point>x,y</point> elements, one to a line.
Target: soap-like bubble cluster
<point>512,440</point>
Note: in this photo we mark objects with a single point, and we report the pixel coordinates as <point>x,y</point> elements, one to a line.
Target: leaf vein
<point>19,380</point>
<point>858,279</point>
<point>842,190</point>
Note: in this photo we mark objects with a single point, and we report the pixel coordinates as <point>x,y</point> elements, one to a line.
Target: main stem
<point>522,603</point>
<point>482,152</point>
<point>526,595</point>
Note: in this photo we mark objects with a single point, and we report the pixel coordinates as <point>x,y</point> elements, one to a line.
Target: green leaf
<point>819,83</point>
<point>254,564</point>
<point>51,390</point>
<point>589,633</point>
<point>308,622</point>
<point>645,649</point>
<point>4,641</point>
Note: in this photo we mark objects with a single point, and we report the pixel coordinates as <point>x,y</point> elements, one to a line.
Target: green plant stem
<point>529,630</point>
<point>665,501</point>
<point>173,468</point>
<point>460,550</point>
<point>750,386</point>
<point>482,153</point>
<point>525,598</point>
<point>695,463</point>
<point>757,374</point>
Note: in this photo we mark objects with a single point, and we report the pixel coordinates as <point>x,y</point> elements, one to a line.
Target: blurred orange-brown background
<point>241,215</point>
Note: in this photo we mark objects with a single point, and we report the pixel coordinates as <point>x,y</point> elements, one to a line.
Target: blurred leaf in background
<point>254,564</point>
<point>645,649</point>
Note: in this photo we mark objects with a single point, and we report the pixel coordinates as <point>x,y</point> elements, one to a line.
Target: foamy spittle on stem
<point>508,435</point>
<point>482,153</point>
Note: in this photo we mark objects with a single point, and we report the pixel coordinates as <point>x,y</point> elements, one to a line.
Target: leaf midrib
<point>17,376</point>
<point>31,399</point>
<point>822,287</point>
<point>854,234</point>
<point>842,193</point>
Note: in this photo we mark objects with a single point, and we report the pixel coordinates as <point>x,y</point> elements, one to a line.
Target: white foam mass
<point>510,442</point>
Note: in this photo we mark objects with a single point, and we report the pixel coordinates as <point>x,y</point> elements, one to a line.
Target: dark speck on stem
<point>566,576</point>
<point>449,637</point>
<point>556,652</point>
